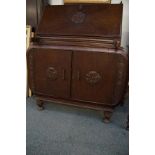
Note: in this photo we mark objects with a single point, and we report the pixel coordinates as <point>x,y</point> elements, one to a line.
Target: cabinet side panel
<point>30,67</point>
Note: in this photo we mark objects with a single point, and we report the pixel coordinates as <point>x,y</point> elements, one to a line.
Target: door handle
<point>63,74</point>
<point>78,75</point>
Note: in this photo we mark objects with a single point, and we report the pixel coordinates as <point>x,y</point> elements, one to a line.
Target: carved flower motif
<point>93,77</point>
<point>52,73</point>
<point>78,17</point>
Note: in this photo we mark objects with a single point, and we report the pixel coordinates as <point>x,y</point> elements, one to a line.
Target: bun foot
<point>127,123</point>
<point>40,108</point>
<point>107,116</point>
<point>106,120</point>
<point>40,105</point>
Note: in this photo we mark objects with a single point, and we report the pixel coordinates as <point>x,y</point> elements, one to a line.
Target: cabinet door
<point>93,76</point>
<point>52,72</point>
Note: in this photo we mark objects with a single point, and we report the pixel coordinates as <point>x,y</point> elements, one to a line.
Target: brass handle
<point>78,75</point>
<point>63,74</point>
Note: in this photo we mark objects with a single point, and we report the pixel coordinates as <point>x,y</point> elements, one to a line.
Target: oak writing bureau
<point>76,58</point>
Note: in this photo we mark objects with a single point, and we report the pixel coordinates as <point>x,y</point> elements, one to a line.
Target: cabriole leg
<point>107,115</point>
<point>40,104</point>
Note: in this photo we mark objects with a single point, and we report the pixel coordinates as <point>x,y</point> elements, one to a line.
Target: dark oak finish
<point>92,81</point>
<point>76,60</point>
<point>85,20</point>
<point>52,72</point>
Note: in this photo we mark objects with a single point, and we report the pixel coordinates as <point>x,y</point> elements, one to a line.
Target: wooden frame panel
<point>92,81</point>
<point>51,71</point>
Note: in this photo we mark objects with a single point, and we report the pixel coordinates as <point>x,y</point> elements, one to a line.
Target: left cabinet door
<point>50,72</point>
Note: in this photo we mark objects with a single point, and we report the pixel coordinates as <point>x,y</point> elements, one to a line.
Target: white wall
<point>56,2</point>
<point>125,22</point>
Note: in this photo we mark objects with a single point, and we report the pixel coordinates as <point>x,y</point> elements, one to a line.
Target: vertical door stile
<point>71,72</point>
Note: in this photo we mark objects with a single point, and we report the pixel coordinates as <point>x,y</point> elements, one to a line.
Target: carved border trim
<point>31,69</point>
<point>119,81</point>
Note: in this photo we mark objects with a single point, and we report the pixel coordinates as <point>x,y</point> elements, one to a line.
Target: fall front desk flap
<point>82,20</point>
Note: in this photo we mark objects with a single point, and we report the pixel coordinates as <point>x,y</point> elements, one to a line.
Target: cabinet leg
<point>40,104</point>
<point>107,116</point>
<point>127,123</point>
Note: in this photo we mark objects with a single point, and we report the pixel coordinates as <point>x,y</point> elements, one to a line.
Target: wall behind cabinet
<point>56,2</point>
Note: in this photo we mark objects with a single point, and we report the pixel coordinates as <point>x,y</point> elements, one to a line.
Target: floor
<point>63,130</point>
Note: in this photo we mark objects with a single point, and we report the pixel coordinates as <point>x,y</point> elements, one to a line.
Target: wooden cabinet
<point>88,71</point>
<point>80,76</point>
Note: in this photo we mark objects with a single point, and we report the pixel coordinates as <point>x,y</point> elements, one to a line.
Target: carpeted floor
<point>63,130</point>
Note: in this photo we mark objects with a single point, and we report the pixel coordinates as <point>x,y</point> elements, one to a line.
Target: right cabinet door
<point>94,76</point>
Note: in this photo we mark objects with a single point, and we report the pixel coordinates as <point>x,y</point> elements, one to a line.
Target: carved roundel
<point>93,77</point>
<point>78,17</point>
<point>52,73</point>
